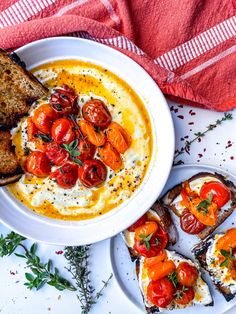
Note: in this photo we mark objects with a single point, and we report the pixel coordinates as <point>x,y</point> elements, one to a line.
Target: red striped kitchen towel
<point>188,47</point>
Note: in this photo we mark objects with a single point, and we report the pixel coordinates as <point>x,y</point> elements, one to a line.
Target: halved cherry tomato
<point>31,129</point>
<point>94,134</point>
<point>56,154</point>
<point>38,164</point>
<point>86,149</point>
<point>227,241</point>
<point>161,292</point>
<point>189,223</point>
<point>43,118</point>
<point>92,173</point>
<point>161,269</point>
<point>96,112</point>
<point>110,156</point>
<point>152,261</point>
<point>66,176</point>
<point>184,295</point>
<point>158,239</point>
<point>64,100</point>
<point>187,274</point>
<point>62,131</point>
<point>118,137</point>
<point>138,223</point>
<point>221,193</point>
<point>207,216</point>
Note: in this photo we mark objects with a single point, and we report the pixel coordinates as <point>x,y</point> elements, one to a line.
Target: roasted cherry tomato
<point>66,176</point>
<point>184,295</point>
<point>160,269</point>
<point>94,134</point>
<point>187,274</point>
<point>92,173</point>
<point>86,150</point>
<point>221,194</point>
<point>138,223</point>
<point>189,223</point>
<point>118,137</point>
<point>161,292</point>
<point>227,241</point>
<point>43,118</point>
<point>96,112</point>
<point>38,164</point>
<point>56,154</point>
<point>62,131</point>
<point>110,156</point>
<point>150,239</point>
<point>64,101</point>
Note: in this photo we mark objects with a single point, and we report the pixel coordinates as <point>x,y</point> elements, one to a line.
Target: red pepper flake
<point>12,273</point>
<point>232,157</point>
<point>59,252</point>
<point>199,140</point>
<point>191,123</point>
<point>200,155</point>
<point>176,110</point>
<point>180,117</point>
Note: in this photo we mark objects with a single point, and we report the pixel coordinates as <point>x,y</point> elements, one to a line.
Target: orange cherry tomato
<point>227,241</point>
<point>151,262</point>
<point>161,269</point>
<point>38,164</point>
<point>96,112</point>
<point>184,295</point>
<point>221,193</point>
<point>64,101</point>
<point>138,223</point>
<point>92,173</point>
<point>43,118</point>
<point>94,134</point>
<point>56,154</point>
<point>66,176</point>
<point>62,131</point>
<point>161,292</point>
<point>187,274</point>
<point>150,227</point>
<point>118,137</point>
<point>110,156</point>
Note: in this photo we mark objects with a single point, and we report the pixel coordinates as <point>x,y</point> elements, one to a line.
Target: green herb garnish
<point>203,205</point>
<point>228,257</point>
<point>45,138</point>
<point>173,278</point>
<point>179,293</point>
<point>72,149</point>
<point>146,240</point>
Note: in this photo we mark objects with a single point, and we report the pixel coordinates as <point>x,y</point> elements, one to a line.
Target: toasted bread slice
<point>170,197</point>
<point>18,89</point>
<point>200,253</point>
<point>10,170</point>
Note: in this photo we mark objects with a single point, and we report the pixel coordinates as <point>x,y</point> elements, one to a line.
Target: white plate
<point>19,218</point>
<point>124,269</point>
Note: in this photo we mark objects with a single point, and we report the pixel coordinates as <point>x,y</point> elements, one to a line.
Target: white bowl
<point>24,221</point>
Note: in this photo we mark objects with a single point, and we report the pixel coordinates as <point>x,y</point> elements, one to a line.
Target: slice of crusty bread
<point>199,252</point>
<point>18,89</point>
<point>223,215</point>
<point>10,170</point>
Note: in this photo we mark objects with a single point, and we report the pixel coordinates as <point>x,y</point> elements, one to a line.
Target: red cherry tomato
<point>189,223</point>
<point>62,131</point>
<point>138,223</point>
<point>92,173</point>
<point>187,274</point>
<point>86,150</point>
<point>157,242</point>
<point>56,154</point>
<point>38,164</point>
<point>64,101</point>
<point>43,118</point>
<point>161,292</point>
<point>184,295</point>
<point>66,176</point>
<point>96,112</point>
<point>221,194</point>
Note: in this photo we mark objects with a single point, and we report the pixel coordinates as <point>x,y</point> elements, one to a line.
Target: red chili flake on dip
<point>59,252</point>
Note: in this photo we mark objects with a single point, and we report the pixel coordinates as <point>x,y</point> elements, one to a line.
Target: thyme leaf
<point>45,138</point>
<point>203,205</point>
<point>146,240</point>
<point>173,278</point>
<point>228,257</point>
<point>72,149</point>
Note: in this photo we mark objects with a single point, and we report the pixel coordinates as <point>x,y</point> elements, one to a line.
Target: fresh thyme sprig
<point>204,204</point>
<point>42,273</point>
<point>228,257</point>
<point>72,149</point>
<point>173,278</point>
<point>187,145</point>
<point>78,258</point>
<point>146,240</point>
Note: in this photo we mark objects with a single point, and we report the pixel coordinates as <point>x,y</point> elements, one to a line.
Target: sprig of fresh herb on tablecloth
<point>187,145</point>
<point>78,259</point>
<point>42,273</point>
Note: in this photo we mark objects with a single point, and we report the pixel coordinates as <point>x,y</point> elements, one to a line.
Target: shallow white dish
<point>123,268</point>
<point>17,217</point>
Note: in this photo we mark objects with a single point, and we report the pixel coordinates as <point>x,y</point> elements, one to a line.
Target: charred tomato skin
<point>92,173</point>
